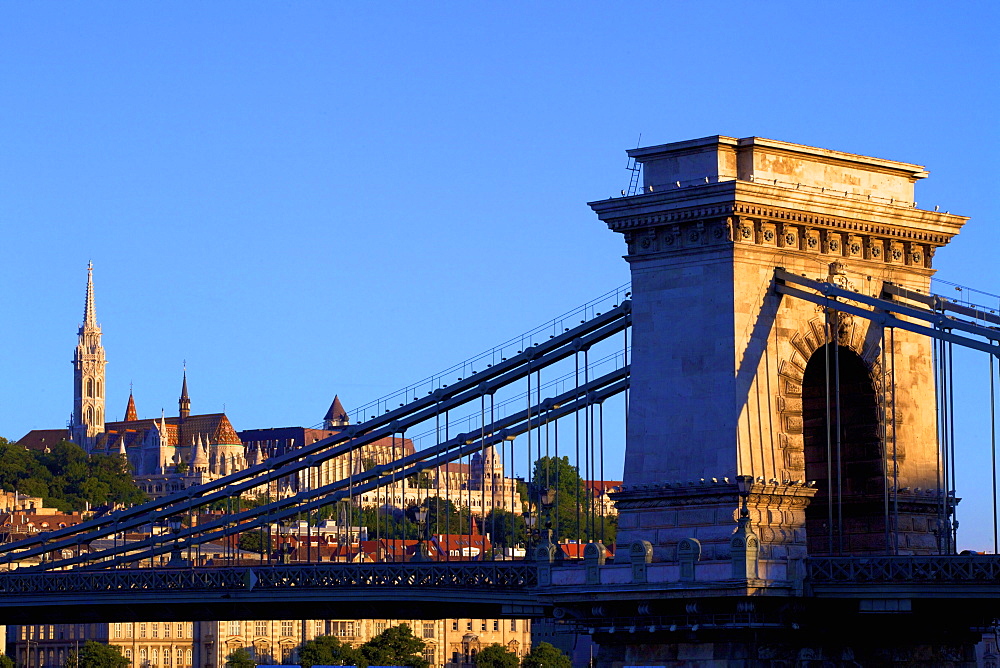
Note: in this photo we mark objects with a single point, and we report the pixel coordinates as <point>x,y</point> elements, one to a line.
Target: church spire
<point>89,312</point>
<point>88,374</point>
<point>130,413</point>
<point>185,400</point>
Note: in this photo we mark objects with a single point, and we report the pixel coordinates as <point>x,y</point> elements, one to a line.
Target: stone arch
<point>868,418</point>
<point>854,335</point>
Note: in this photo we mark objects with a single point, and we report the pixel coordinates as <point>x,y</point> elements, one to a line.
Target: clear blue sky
<point>306,198</point>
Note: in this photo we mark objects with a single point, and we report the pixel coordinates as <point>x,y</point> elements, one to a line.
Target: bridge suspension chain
<point>347,443</point>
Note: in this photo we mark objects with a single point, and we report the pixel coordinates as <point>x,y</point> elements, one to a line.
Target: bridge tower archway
<point>843,454</point>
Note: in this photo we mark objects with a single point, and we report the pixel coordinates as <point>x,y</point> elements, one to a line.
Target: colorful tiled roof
<point>130,413</point>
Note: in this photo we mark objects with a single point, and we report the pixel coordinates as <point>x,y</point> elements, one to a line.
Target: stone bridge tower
<point>729,378</point>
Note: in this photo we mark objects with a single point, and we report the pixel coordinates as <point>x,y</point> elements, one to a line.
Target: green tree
<point>496,656</point>
<point>327,650</point>
<point>96,655</point>
<point>66,477</point>
<point>240,659</point>
<point>6,661</point>
<point>253,541</point>
<point>420,480</point>
<point>573,515</point>
<point>506,529</point>
<point>396,646</point>
<point>443,516</point>
<point>545,655</point>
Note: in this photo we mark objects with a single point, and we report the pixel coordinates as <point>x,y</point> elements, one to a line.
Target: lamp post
<point>744,545</point>
<point>743,485</point>
<point>29,642</point>
<point>421,515</point>
<point>284,544</point>
<point>176,560</point>
<point>548,551</point>
<point>530,530</point>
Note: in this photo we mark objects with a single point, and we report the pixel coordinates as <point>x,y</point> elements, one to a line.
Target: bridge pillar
<point>728,377</point>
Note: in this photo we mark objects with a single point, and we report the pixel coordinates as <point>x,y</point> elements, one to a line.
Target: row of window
<point>153,630</point>
<point>148,658</point>
<point>263,628</point>
<point>151,657</point>
<point>483,623</point>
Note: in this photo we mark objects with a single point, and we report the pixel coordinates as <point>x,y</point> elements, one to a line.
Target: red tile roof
<point>130,414</point>
<point>42,439</point>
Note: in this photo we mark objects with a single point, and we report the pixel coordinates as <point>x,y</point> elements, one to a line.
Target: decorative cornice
<point>715,490</point>
<point>722,215</point>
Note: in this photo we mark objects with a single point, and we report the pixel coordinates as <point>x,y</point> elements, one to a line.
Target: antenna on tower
<point>636,171</point>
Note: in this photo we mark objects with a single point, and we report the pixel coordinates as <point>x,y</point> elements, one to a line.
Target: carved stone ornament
<point>707,227</point>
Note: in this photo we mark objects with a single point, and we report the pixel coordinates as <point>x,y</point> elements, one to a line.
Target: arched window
<point>89,415</point>
<point>143,657</point>
<point>154,656</point>
<point>90,387</point>
<point>187,658</point>
<point>844,458</point>
<point>128,656</point>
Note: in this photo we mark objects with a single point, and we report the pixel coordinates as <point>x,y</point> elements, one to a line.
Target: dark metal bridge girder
<point>422,591</point>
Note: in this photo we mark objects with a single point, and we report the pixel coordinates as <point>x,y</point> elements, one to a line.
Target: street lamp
<point>421,515</point>
<point>743,485</point>
<point>548,551</point>
<point>175,525</point>
<point>530,530</point>
<point>29,642</point>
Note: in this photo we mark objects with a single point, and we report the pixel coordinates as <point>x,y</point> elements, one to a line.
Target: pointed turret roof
<point>185,401</point>
<point>336,414</point>
<point>199,457</point>
<point>130,413</point>
<point>89,312</point>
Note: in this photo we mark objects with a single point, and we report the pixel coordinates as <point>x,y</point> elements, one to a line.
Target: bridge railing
<point>911,569</point>
<point>484,576</point>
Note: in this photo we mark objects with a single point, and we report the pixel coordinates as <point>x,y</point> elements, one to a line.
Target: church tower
<point>88,374</point>
<point>184,403</point>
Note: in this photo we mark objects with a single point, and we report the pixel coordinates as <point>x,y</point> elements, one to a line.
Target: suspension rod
<point>455,448</point>
<point>351,438</point>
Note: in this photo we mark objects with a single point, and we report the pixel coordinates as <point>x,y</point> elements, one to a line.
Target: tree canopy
<point>329,651</point>
<point>66,477</point>
<point>240,659</point>
<point>496,656</point>
<point>573,516</point>
<point>396,646</point>
<point>97,655</point>
<point>544,655</point>
<point>506,529</point>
